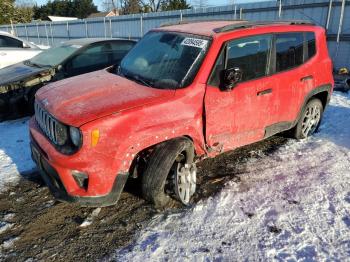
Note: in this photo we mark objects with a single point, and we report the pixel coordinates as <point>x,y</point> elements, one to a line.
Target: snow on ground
<point>14,152</point>
<point>293,204</point>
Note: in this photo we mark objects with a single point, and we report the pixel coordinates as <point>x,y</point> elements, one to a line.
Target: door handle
<point>264,92</point>
<point>309,77</point>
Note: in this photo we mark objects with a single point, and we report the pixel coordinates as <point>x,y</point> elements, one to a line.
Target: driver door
<point>238,117</point>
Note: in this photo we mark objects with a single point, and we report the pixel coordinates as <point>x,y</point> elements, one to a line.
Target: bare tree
<point>152,5</point>
<point>200,3</point>
<point>109,5</point>
<point>24,11</point>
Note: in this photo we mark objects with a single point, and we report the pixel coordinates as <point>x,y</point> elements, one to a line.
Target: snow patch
<point>9,243</point>
<point>14,152</point>
<point>294,205</point>
<point>88,221</point>
<point>4,226</point>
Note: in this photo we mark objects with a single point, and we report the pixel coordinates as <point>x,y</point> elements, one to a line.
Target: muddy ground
<point>48,230</point>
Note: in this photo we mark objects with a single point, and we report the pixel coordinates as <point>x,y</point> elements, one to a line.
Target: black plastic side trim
<point>277,128</point>
<point>284,126</point>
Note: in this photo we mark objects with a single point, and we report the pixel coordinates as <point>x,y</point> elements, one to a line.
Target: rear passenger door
<point>238,117</point>
<point>293,76</point>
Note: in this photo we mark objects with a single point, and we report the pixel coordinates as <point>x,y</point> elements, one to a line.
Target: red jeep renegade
<point>183,92</point>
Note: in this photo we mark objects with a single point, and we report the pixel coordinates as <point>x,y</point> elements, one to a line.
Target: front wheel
<point>170,173</point>
<point>310,119</point>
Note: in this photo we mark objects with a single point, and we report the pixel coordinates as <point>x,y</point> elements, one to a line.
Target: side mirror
<point>25,45</point>
<point>230,78</point>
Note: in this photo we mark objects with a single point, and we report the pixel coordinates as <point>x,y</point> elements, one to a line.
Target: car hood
<point>81,99</point>
<point>18,73</point>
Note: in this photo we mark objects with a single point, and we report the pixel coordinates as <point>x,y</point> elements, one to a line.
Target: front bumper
<point>104,186</point>
<point>53,181</point>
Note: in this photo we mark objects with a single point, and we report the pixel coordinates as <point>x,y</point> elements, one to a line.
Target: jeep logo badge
<point>45,102</point>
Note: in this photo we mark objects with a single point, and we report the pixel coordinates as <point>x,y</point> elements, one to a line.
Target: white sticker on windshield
<point>195,42</point>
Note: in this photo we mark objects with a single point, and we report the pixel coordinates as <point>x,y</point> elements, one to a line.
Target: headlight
<point>61,134</point>
<point>75,136</point>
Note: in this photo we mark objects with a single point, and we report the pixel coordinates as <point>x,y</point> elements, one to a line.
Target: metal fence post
<point>104,26</point>
<point>235,13</point>
<point>280,9</point>
<point>68,30</point>
<point>16,30</point>
<point>51,33</point>
<point>37,30</point>
<point>141,26</point>
<point>180,15</point>
<point>241,13</point>
<point>340,28</point>
<point>329,13</point>
<point>25,27</point>
<point>341,20</point>
<point>86,29</point>
<point>110,27</point>
<point>47,35</point>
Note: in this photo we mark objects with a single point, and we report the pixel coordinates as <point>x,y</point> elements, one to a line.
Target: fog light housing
<point>81,179</point>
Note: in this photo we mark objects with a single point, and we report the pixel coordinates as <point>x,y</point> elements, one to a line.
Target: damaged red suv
<point>184,92</point>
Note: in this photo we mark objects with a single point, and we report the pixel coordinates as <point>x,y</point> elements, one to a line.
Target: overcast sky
<point>209,2</point>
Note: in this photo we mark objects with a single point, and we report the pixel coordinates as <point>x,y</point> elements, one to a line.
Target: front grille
<point>53,129</point>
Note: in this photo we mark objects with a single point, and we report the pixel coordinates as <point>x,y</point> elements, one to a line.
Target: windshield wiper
<point>28,62</point>
<point>136,78</point>
<point>142,81</point>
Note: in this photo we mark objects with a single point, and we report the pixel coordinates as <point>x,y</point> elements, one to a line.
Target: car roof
<point>32,45</point>
<point>209,28</point>
<point>5,33</point>
<point>88,41</point>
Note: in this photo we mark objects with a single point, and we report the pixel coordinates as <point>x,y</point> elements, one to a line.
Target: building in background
<point>61,18</point>
<point>114,12</point>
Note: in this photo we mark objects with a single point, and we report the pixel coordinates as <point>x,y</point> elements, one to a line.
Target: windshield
<point>54,56</point>
<point>165,59</point>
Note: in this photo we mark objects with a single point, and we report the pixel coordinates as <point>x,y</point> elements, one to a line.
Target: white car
<point>14,49</point>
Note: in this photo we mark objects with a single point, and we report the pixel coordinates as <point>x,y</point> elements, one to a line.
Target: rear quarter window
<point>289,50</point>
<point>311,44</point>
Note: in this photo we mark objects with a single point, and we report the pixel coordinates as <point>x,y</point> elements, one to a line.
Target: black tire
<point>159,166</point>
<point>299,130</point>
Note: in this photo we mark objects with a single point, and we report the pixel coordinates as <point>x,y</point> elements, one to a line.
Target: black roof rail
<point>248,24</point>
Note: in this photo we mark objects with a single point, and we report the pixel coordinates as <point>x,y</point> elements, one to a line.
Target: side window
<point>6,41</point>
<point>250,54</point>
<point>120,49</point>
<point>311,44</point>
<point>289,50</point>
<point>93,57</point>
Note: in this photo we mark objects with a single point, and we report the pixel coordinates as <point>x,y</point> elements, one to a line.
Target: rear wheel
<point>170,173</point>
<point>310,119</point>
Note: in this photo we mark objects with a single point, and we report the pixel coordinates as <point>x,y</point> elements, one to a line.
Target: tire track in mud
<point>44,229</point>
